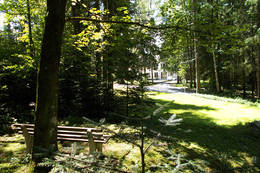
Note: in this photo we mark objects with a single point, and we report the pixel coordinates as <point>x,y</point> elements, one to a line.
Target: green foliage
<point>224,28</point>
<point>81,163</point>
<point>96,55</point>
<point>18,76</point>
<point>181,164</point>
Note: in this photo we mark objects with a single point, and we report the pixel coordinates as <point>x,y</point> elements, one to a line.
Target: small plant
<point>81,163</point>
<point>176,163</point>
<point>138,137</point>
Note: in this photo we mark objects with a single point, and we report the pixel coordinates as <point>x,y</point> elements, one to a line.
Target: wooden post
<point>92,146</point>
<point>28,139</point>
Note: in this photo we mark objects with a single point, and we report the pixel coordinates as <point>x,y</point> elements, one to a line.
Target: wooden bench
<point>93,136</point>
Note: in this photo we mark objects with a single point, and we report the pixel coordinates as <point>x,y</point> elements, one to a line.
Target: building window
<point>156,75</point>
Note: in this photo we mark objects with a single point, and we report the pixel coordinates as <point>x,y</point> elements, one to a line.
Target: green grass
<point>13,156</point>
<point>214,135</point>
<point>215,132</point>
<point>221,112</point>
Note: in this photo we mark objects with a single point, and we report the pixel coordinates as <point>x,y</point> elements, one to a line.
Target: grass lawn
<point>214,136</point>
<point>215,133</point>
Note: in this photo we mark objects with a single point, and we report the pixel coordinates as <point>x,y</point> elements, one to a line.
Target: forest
<point>61,62</point>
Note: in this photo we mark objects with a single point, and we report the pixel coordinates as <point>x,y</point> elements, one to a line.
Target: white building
<point>160,73</point>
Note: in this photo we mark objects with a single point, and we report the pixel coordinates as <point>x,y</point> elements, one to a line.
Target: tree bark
<point>75,12</point>
<point>98,54</point>
<point>258,52</point>
<point>196,51</point>
<point>190,75</point>
<point>190,66</point>
<point>258,73</point>
<point>30,28</point>
<point>216,71</point>
<point>152,74</point>
<point>45,135</point>
<point>196,54</point>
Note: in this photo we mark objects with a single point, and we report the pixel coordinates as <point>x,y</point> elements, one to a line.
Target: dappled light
<point>130,86</point>
<point>203,134</point>
<point>12,153</point>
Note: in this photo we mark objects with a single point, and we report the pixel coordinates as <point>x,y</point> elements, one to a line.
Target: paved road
<point>167,87</point>
<point>161,86</point>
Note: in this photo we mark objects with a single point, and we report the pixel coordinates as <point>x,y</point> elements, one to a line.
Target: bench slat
<point>18,126</point>
<point>93,136</point>
<point>79,140</point>
<point>68,133</point>
<point>79,128</point>
<point>77,136</point>
<point>76,139</point>
<point>72,133</point>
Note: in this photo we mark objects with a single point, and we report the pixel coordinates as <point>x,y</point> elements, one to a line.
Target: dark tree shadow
<point>219,143</point>
<point>11,160</point>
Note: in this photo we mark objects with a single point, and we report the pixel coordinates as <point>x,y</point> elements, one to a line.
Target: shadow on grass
<point>220,146</point>
<point>217,147</point>
<point>185,107</point>
<point>11,158</point>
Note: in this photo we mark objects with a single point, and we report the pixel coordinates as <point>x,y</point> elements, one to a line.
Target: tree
<point>196,47</point>
<point>30,28</point>
<point>45,134</point>
<point>258,50</point>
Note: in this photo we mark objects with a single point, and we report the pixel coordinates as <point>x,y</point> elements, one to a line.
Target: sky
<point>1,18</point>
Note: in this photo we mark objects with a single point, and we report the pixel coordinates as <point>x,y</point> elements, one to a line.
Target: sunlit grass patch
<point>13,156</point>
<point>215,132</point>
<point>129,155</point>
<point>14,147</point>
<point>221,112</point>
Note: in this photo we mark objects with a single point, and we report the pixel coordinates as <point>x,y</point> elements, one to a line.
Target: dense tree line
<point>76,67</point>
<point>94,55</point>
<point>217,41</point>
<point>80,48</point>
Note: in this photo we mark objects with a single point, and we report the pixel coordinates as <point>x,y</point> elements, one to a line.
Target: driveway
<point>167,87</point>
<point>160,86</point>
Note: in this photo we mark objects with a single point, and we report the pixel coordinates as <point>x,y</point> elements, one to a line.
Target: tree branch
<point>131,23</point>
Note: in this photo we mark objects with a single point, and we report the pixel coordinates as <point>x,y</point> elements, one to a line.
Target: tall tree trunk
<point>152,74</point>
<point>45,134</point>
<point>99,67</point>
<point>190,74</point>
<point>258,73</point>
<point>214,46</point>
<point>258,52</point>
<point>75,12</point>
<point>253,79</point>
<point>196,51</point>
<point>98,54</point>
<point>244,77</point>
<point>108,60</point>
<point>197,68</point>
<point>30,28</point>
<point>190,66</point>
<point>194,73</point>
<point>216,71</point>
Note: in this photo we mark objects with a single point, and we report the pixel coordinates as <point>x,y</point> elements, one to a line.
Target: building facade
<point>159,73</point>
